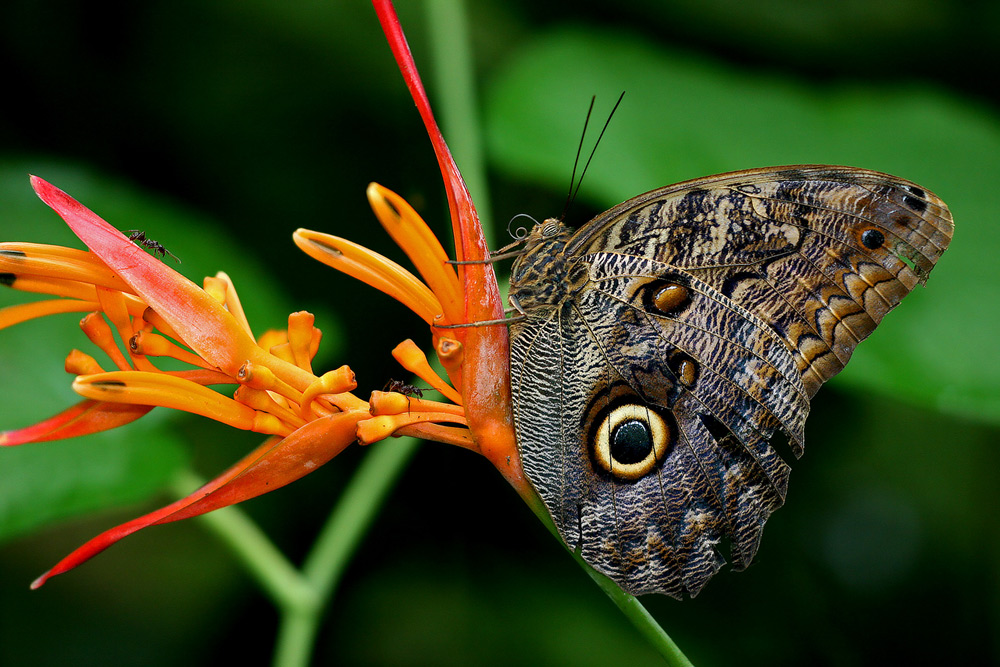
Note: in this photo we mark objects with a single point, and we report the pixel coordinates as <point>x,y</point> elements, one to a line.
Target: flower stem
<point>453,76</point>
<point>639,617</point>
<point>302,595</point>
<point>629,605</point>
<point>268,566</point>
<point>339,538</point>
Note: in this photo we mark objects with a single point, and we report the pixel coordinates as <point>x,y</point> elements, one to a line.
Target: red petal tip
<point>42,187</point>
<point>37,583</point>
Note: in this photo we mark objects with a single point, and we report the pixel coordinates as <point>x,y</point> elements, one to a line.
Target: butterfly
<point>667,351</point>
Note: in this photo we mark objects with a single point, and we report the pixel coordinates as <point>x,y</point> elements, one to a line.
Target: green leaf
<point>685,116</point>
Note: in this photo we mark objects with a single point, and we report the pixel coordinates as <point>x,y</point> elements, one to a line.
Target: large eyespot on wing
<point>627,439</point>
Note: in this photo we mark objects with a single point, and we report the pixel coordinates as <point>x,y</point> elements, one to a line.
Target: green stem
<point>640,618</point>
<point>270,569</point>
<point>629,605</point>
<point>350,520</point>
<point>453,76</point>
<point>303,595</point>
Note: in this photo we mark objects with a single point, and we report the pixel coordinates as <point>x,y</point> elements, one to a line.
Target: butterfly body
<point>669,349</point>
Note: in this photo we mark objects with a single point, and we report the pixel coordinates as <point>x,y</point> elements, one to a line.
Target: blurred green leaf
<point>685,116</point>
<point>44,482</point>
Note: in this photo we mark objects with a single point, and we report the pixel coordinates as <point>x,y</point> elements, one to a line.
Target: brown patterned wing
<point>819,253</point>
<point>670,341</point>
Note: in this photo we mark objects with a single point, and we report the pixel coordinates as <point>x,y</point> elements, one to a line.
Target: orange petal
<point>23,312</point>
<point>301,338</point>
<point>143,388</point>
<point>99,333</point>
<point>82,419</point>
<point>412,234</point>
<point>49,261</point>
<point>371,268</point>
<point>379,428</point>
<point>413,359</point>
<point>271,466</point>
<point>233,303</point>
<point>201,322</point>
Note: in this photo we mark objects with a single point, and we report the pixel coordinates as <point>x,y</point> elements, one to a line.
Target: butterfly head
<point>539,273</point>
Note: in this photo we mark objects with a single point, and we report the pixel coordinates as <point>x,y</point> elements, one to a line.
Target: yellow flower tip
<point>271,338</point>
<point>452,355</point>
<point>80,363</point>
<point>317,244</point>
<point>101,388</point>
<point>143,342</point>
<point>381,200</point>
<point>450,351</point>
<point>413,359</point>
<point>382,426</point>
<point>99,333</point>
<point>416,239</point>
<point>303,338</point>
<point>268,424</point>
<point>282,351</point>
<point>260,377</point>
<point>49,261</point>
<point>375,429</point>
<point>337,382</point>
<point>144,388</point>
<point>341,380</point>
<point>395,403</point>
<point>388,403</point>
<point>256,376</point>
<point>216,288</point>
<point>261,401</point>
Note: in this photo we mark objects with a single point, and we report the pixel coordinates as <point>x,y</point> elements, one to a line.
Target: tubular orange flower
<point>157,313</point>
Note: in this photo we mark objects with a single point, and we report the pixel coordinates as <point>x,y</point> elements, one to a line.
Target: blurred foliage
<point>220,127</point>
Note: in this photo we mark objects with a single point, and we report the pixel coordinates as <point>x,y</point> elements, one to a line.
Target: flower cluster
<point>157,314</point>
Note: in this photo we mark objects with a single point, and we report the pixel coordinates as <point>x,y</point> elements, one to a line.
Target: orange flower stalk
<point>156,312</point>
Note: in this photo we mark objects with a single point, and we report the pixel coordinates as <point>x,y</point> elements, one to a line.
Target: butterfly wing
<point>819,253</point>
<point>671,340</point>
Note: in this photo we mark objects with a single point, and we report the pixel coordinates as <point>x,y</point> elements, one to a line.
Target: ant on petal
<point>139,237</point>
<point>401,387</point>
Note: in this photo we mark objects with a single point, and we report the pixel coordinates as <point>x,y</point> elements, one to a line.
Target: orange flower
<point>310,419</point>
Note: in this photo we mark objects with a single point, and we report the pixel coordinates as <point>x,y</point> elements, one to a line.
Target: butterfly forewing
<point>819,253</point>
<point>670,341</point>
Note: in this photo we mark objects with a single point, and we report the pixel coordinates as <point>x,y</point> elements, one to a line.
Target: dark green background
<point>220,127</point>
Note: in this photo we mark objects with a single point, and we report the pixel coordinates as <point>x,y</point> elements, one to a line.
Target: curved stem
<point>629,605</point>
<point>351,518</point>
<point>266,564</point>
<point>302,595</point>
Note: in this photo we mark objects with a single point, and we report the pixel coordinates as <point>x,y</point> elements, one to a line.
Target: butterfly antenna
<point>572,198</point>
<point>579,149</point>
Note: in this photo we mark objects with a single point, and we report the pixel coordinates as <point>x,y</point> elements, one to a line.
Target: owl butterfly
<point>670,346</point>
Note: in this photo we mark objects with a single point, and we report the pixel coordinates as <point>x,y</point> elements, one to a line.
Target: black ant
<point>401,387</point>
<point>139,237</point>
